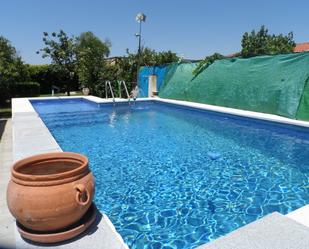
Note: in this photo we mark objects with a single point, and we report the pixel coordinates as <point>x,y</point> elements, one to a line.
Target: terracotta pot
<point>86,91</point>
<point>50,191</point>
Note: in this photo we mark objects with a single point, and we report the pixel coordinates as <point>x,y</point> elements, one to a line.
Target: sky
<point>191,28</point>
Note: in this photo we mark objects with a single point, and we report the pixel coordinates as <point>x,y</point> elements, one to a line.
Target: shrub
<point>261,43</point>
<point>24,89</point>
<point>47,76</point>
<point>208,60</point>
<point>44,76</point>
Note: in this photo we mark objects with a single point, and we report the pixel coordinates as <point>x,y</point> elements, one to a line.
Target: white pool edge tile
<point>236,112</point>
<point>112,227</point>
<point>301,215</point>
<point>23,113</point>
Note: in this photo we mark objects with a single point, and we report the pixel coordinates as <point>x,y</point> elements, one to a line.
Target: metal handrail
<point>122,82</point>
<point>108,83</point>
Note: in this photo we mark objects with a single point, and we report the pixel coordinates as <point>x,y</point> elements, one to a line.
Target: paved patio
<point>7,234</point>
<point>27,136</point>
<point>274,231</point>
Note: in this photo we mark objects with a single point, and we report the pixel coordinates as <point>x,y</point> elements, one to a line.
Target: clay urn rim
<point>77,172</point>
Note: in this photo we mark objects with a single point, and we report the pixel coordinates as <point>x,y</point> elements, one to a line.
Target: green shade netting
<point>303,110</point>
<point>270,84</point>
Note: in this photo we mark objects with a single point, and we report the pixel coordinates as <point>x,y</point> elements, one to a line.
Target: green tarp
<point>270,84</point>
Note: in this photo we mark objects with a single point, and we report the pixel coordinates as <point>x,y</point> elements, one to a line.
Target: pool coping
<point>28,126</point>
<point>237,112</point>
<point>31,136</point>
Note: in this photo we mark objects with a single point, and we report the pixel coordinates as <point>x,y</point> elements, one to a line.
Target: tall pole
<point>139,37</point>
<point>140,17</point>
<point>139,52</point>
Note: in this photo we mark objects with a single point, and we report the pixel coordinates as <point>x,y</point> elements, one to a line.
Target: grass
<point>5,112</point>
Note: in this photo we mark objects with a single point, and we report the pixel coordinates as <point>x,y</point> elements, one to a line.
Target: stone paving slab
<point>274,231</point>
<point>31,136</point>
<point>100,235</point>
<point>7,235</point>
<point>27,136</point>
<point>301,215</point>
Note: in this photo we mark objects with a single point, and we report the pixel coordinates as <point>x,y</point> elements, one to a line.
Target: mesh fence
<point>270,84</point>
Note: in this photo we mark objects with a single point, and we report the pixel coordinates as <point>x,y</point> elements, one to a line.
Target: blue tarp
<point>144,73</point>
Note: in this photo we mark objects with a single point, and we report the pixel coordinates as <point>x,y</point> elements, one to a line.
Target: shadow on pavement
<point>2,126</point>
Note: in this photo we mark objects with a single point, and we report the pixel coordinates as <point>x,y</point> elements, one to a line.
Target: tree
<point>60,48</point>
<point>148,57</point>
<point>253,44</point>
<point>90,53</point>
<point>262,43</point>
<point>12,68</point>
<point>126,68</point>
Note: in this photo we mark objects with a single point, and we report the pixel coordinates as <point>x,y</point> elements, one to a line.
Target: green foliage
<point>202,65</point>
<point>47,76</point>
<point>262,43</point>
<point>25,89</point>
<point>60,48</point>
<point>126,67</point>
<point>90,54</point>
<point>12,68</point>
<point>148,57</point>
<point>253,44</point>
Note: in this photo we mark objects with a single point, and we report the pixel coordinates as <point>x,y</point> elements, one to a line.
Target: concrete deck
<point>102,234</point>
<point>26,135</point>
<point>31,136</point>
<point>7,227</point>
<point>300,215</point>
<point>274,231</point>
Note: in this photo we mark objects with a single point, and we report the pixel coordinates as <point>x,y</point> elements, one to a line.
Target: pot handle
<point>82,196</point>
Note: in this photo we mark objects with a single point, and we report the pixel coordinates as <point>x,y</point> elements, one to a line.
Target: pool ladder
<point>123,83</point>
<point>109,85</point>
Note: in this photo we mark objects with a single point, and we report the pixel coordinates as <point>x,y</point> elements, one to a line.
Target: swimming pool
<point>174,177</point>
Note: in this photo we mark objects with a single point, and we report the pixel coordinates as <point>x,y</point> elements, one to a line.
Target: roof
<point>301,47</point>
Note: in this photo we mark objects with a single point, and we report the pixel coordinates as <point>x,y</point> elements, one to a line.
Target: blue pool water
<point>171,177</point>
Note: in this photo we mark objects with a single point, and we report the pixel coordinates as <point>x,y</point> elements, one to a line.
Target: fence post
<point>152,85</point>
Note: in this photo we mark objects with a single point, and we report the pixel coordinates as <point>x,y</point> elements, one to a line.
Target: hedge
<point>47,76</point>
<point>20,89</point>
<point>25,89</point>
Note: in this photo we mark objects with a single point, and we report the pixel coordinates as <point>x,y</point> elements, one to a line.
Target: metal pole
<point>140,37</point>
<point>139,50</point>
<point>140,17</point>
